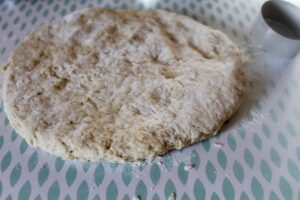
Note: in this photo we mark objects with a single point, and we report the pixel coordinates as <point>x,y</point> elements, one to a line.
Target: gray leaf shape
<point>59,163</point>
<point>231,142</point>
<point>38,197</point>
<point>285,188</point>
<point>15,174</point>
<point>54,191</point>
<point>43,174</point>
<point>96,197</point>
<point>275,157</point>
<point>206,145</point>
<point>14,136</point>
<point>99,174</point>
<point>67,197</point>
<point>211,172</point>
<point>257,189</point>
<point>199,190</point>
<point>1,141</point>
<point>83,191</point>
<point>248,157</point>
<point>25,191</point>
<point>273,196</point>
<point>266,170</point>
<point>112,191</point>
<point>185,197</point>
<point>126,197</point>
<point>169,188</point>
<point>154,173</point>
<point>257,141</point>
<point>9,197</point>
<point>222,159</point>
<point>141,190</point>
<point>182,174</point>
<point>86,166</point>
<point>168,162</point>
<point>71,174</point>
<point>23,146</point>
<point>293,170</point>
<point>195,159</point>
<point>127,174</point>
<point>155,197</point>
<point>228,190</point>
<point>1,188</point>
<point>244,196</point>
<point>32,162</point>
<point>238,171</point>
<point>214,196</point>
<point>6,160</point>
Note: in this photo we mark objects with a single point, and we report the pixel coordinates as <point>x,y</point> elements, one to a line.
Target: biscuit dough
<point>121,85</point>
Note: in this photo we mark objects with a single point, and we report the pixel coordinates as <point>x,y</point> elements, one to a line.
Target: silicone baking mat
<point>256,156</point>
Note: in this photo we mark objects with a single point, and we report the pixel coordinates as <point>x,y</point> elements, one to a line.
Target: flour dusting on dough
<point>121,85</point>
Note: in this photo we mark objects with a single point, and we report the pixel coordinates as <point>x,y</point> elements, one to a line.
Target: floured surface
<point>121,85</point>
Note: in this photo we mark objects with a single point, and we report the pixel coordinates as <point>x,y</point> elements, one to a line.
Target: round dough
<point>121,85</point>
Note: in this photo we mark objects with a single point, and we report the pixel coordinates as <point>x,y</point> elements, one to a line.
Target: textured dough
<point>120,85</point>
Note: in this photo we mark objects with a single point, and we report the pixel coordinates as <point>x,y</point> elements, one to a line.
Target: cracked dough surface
<point>120,85</point>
